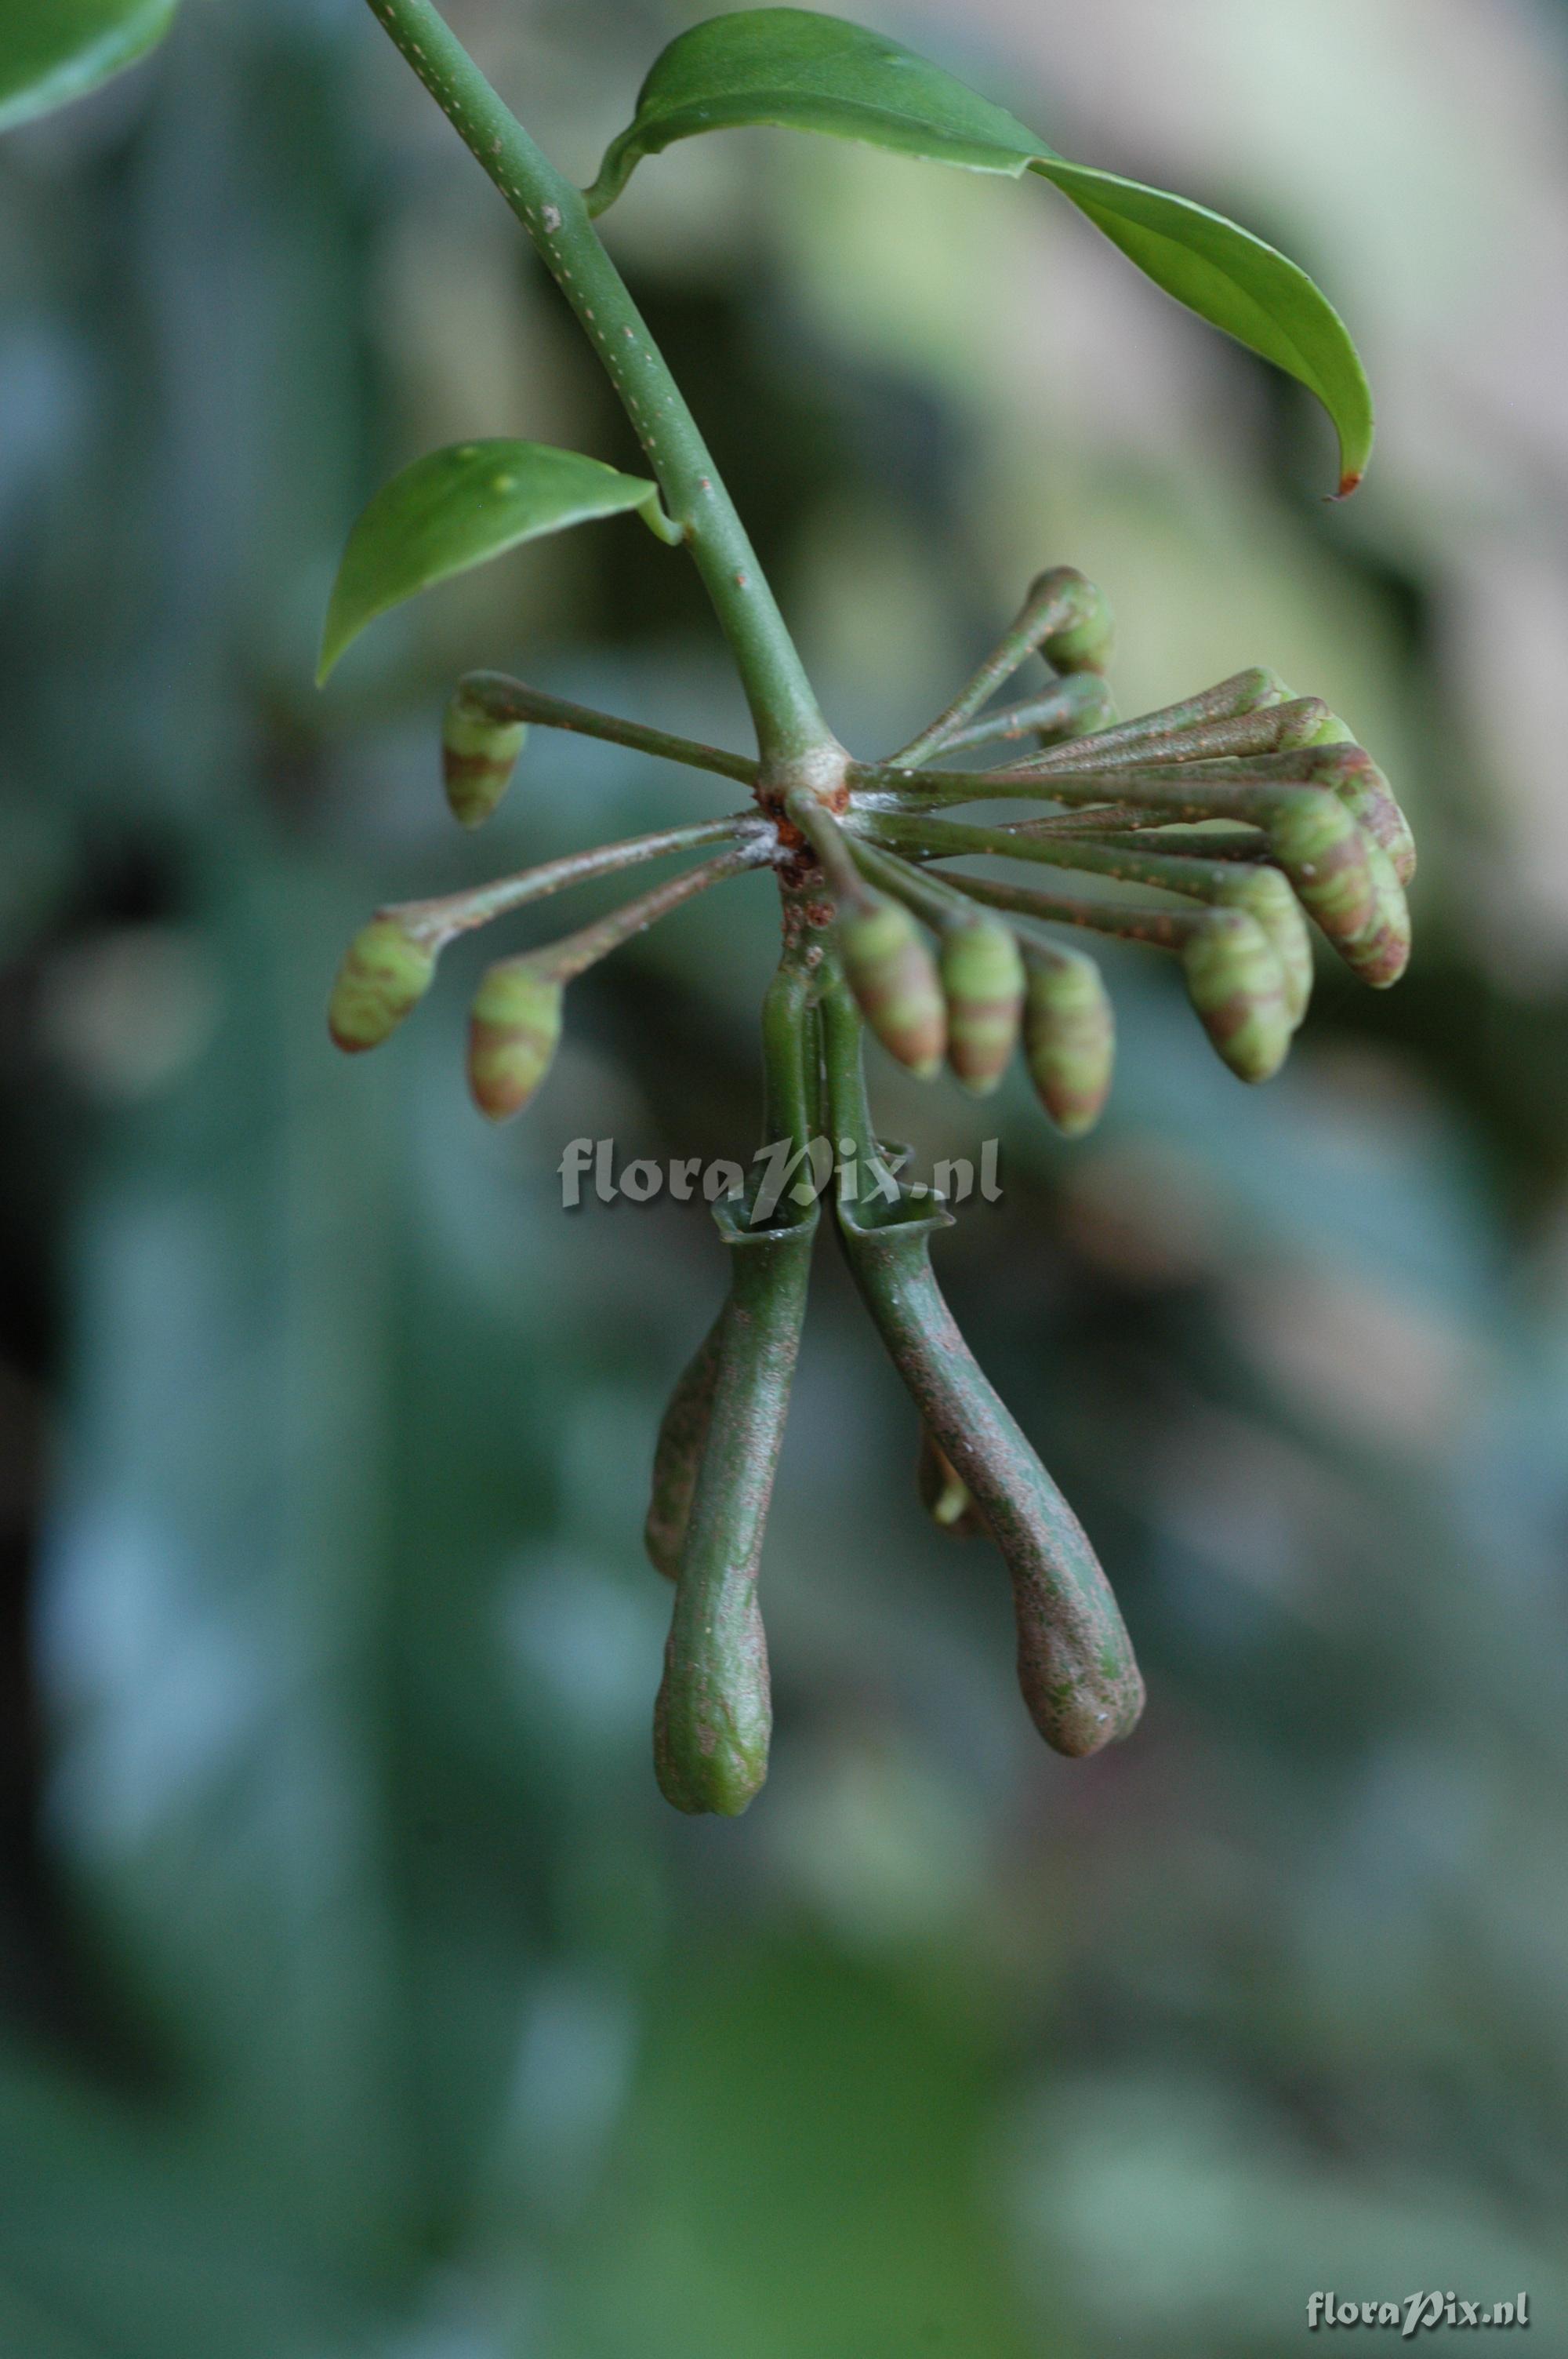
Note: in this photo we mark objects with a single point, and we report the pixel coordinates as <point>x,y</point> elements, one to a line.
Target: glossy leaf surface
<point>454,509</point>
<point>1235,282</point>
<point>796,67</point>
<point>812,72</point>
<point>55,51</point>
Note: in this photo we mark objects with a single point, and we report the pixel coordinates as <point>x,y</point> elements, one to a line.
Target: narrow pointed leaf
<point>55,51</point>
<point>454,509</point>
<point>1236,282</point>
<point>812,72</point>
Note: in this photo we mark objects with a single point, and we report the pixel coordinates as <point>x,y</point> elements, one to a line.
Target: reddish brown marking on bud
<point>472,766</point>
<point>1224,1021</point>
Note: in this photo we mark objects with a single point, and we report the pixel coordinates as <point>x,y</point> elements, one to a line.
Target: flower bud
<point>1324,852</point>
<point>513,1036</point>
<point>1235,982</point>
<point>1069,1040</point>
<point>944,1494</point>
<point>1302,720</point>
<point>1361,787</point>
<point>386,972</point>
<point>1265,894</point>
<point>1381,952</point>
<point>982,974</point>
<point>893,977</point>
<point>477,756</point>
<point>1081,639</point>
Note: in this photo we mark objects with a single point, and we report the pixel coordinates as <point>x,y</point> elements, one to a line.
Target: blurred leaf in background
<point>361,1995</point>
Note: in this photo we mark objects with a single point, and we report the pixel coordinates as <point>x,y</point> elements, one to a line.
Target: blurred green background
<point>361,1996</point>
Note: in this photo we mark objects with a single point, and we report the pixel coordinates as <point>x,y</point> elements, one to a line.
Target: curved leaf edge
<point>98,61</point>
<point>626,151</point>
<point>1347,405</point>
<point>637,495</point>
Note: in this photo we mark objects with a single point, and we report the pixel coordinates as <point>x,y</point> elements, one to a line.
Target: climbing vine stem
<point>793,741</point>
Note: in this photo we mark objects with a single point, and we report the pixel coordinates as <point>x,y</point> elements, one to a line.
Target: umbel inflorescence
<point>1212,830</point>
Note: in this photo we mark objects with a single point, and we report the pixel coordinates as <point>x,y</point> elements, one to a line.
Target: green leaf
<point>453,510</point>
<point>811,72</point>
<point>54,50</point>
<point>1236,282</point>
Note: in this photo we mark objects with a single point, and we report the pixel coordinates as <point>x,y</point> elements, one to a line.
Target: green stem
<point>714,1715</point>
<point>1252,713</point>
<point>1075,1665</point>
<point>895,802</point>
<point>1197,878</point>
<point>786,1040</point>
<point>500,697</point>
<point>1164,929</point>
<point>1052,603</point>
<point>1075,707</point>
<point>937,839</point>
<point>1189,790</point>
<point>931,898</point>
<point>440,921</point>
<point>788,1054</point>
<point>574,953</point>
<point>792,735</point>
<point>677,1455</point>
<point>942,899</point>
<point>844,1075</point>
<point>1243,844</point>
<point>879,786</point>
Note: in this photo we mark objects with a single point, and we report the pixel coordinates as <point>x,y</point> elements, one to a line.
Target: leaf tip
<point>333,647</point>
<point>1350,482</point>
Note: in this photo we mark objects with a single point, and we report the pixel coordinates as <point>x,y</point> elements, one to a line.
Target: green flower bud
<point>893,978</point>
<point>982,974</point>
<point>1236,983</point>
<point>1069,1038</point>
<point>1075,1665</point>
<point>1381,952</point>
<point>1361,787</point>
<point>386,972</point>
<point>714,1714</point>
<point>513,1036</point>
<point>1324,852</point>
<point>477,757</point>
<point>1309,723</point>
<point>1089,707</point>
<point>1265,894</point>
<point>944,1494</point>
<point>1082,639</point>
